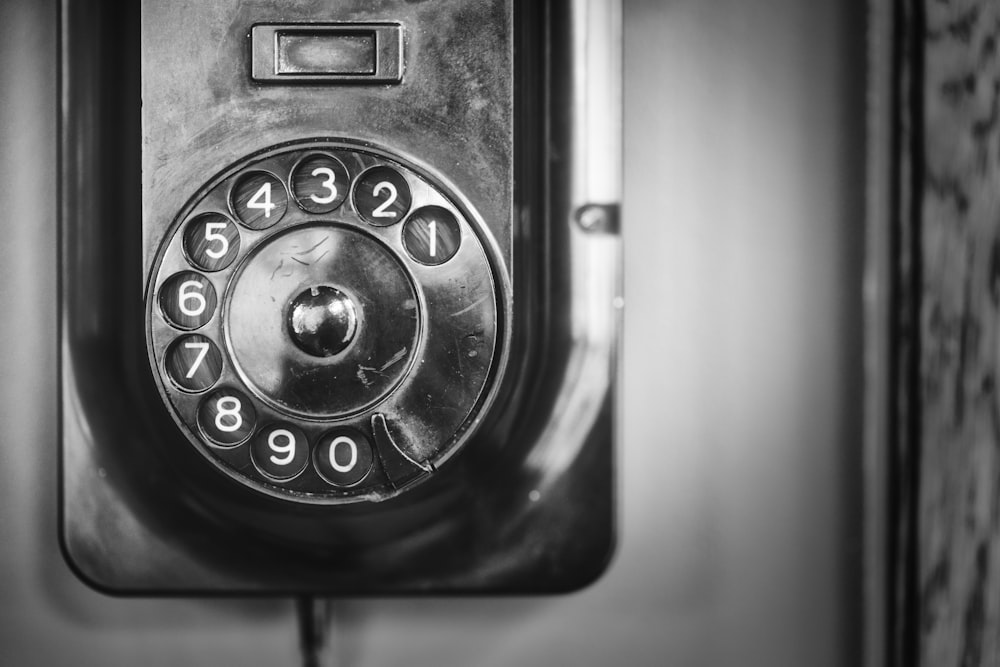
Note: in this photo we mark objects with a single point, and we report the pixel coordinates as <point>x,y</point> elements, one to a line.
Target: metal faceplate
<point>414,388</point>
<point>451,110</point>
<point>513,450</point>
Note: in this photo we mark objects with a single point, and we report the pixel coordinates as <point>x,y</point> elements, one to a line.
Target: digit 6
<point>187,300</point>
<point>190,290</point>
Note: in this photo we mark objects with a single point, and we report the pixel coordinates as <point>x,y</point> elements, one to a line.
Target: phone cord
<point>314,631</point>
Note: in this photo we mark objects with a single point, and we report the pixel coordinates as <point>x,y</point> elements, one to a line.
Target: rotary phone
<point>340,295</point>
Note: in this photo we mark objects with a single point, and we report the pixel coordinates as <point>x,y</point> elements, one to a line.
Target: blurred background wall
<point>740,476</point>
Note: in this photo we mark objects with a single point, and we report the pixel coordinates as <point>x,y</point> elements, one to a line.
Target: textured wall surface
<point>956,222</point>
<point>741,444</point>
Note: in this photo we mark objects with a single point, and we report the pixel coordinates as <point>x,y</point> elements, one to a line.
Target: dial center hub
<point>322,321</point>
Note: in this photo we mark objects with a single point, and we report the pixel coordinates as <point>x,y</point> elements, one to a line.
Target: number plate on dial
<point>324,322</point>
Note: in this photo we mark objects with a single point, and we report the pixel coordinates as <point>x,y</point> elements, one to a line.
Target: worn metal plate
<point>452,112</point>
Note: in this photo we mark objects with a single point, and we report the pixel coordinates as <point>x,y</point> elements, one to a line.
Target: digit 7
<point>202,347</point>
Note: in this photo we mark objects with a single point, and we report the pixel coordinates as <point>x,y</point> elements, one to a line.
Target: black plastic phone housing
<point>482,107</point>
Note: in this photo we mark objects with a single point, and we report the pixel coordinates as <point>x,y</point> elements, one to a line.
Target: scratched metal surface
<point>452,109</point>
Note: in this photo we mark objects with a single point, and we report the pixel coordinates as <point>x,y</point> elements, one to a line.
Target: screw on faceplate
<point>596,218</point>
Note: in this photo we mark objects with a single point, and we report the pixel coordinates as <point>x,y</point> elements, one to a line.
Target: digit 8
<point>227,417</point>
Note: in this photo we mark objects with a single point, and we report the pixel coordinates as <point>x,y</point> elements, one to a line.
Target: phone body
<point>340,296</point>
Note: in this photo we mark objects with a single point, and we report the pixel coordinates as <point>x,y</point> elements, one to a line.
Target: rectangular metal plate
<point>327,53</point>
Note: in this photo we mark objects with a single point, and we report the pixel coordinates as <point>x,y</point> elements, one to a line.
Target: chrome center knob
<point>322,321</point>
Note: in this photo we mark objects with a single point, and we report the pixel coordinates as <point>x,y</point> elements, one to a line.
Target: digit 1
<point>433,245</point>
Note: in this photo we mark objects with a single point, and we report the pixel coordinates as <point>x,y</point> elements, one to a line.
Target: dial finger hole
<point>194,363</point>
<point>188,300</point>
<point>259,200</point>
<point>227,417</point>
<point>382,196</point>
<point>211,242</point>
<point>280,451</point>
<point>432,235</point>
<point>343,457</point>
<point>320,183</point>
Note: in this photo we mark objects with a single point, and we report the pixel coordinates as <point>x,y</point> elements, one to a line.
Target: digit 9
<point>280,451</point>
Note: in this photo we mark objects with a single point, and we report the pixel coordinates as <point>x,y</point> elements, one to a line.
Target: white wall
<point>741,481</point>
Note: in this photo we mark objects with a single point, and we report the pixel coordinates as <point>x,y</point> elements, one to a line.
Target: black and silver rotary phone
<point>340,295</point>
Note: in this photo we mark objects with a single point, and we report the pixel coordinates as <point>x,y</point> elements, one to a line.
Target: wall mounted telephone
<point>340,295</point>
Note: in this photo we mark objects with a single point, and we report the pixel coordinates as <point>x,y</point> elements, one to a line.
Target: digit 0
<point>344,457</point>
<point>341,442</point>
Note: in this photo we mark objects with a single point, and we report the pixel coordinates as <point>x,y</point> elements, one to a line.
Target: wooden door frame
<point>932,292</point>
